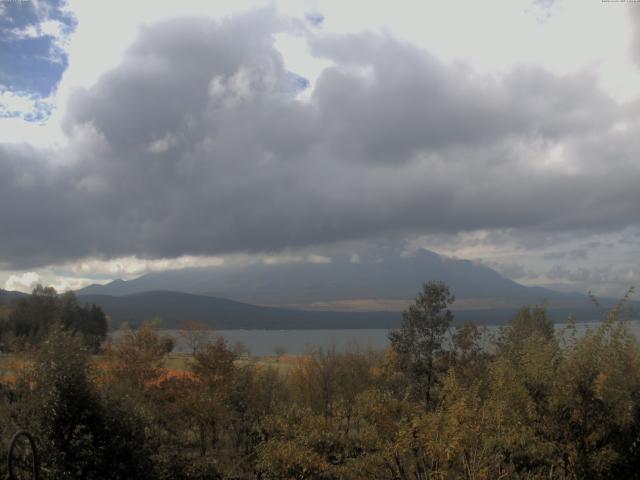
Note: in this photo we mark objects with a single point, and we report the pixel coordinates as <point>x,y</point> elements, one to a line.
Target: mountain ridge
<point>392,277</point>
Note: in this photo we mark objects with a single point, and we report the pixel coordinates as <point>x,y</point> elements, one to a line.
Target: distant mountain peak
<point>114,287</point>
<point>10,295</point>
<point>424,253</point>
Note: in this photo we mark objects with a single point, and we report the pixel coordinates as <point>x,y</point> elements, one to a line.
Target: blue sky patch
<point>298,83</point>
<point>32,57</point>
<point>314,18</point>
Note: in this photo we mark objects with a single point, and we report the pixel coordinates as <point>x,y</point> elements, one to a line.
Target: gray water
<point>298,342</point>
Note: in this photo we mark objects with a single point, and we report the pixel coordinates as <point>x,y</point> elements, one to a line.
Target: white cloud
<point>64,284</point>
<point>299,59</point>
<point>23,283</point>
<point>570,36</point>
<point>27,281</point>
<point>161,145</point>
<point>130,267</point>
<point>318,259</point>
<point>16,103</point>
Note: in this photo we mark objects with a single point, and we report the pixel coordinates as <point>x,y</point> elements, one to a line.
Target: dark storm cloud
<point>195,144</point>
<point>407,102</point>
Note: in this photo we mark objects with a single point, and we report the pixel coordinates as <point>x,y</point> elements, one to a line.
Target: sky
<point>144,136</point>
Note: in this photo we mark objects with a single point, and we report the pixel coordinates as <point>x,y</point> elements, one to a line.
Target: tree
<point>420,338</point>
<point>527,323</point>
<point>213,372</point>
<point>466,339</point>
<point>241,349</point>
<point>136,357</point>
<point>315,380</point>
<point>194,334</point>
<point>81,435</point>
<point>469,360</point>
<point>34,315</point>
<point>213,362</point>
<point>88,320</point>
<point>279,351</point>
<point>596,402</point>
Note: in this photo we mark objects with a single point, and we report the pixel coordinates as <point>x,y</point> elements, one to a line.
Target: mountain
<point>368,291</point>
<point>374,281</point>
<point>174,307</point>
<point>8,296</point>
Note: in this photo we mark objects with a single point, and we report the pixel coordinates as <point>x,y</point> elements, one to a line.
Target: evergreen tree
<point>419,339</point>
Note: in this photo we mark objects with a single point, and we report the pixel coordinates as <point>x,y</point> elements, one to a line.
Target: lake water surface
<point>297,342</point>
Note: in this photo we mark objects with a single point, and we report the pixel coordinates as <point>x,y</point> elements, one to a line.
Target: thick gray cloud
<point>196,144</point>
<point>409,103</point>
<point>577,254</point>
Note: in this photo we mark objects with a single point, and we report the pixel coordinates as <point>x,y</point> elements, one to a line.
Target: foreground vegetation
<point>529,407</point>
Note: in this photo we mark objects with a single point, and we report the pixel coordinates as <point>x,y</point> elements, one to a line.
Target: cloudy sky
<point>141,136</point>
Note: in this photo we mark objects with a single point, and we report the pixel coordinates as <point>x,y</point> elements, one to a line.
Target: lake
<point>297,342</point>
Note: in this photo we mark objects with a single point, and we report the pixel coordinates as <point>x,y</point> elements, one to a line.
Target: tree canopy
<point>32,318</point>
<point>419,339</point>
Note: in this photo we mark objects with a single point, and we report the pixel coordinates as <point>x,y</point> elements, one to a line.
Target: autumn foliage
<point>440,403</point>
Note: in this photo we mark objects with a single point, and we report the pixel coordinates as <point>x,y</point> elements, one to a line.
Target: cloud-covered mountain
<point>367,282</point>
<point>361,291</point>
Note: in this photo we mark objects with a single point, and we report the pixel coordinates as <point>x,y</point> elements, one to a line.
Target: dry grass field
<point>175,364</point>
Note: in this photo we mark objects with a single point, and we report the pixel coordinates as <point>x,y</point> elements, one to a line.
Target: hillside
<point>7,296</point>
<point>174,307</point>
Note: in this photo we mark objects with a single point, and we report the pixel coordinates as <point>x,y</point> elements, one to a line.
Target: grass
<point>175,361</point>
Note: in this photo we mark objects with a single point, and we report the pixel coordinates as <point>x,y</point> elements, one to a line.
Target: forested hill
<point>174,307</point>
<point>8,296</point>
